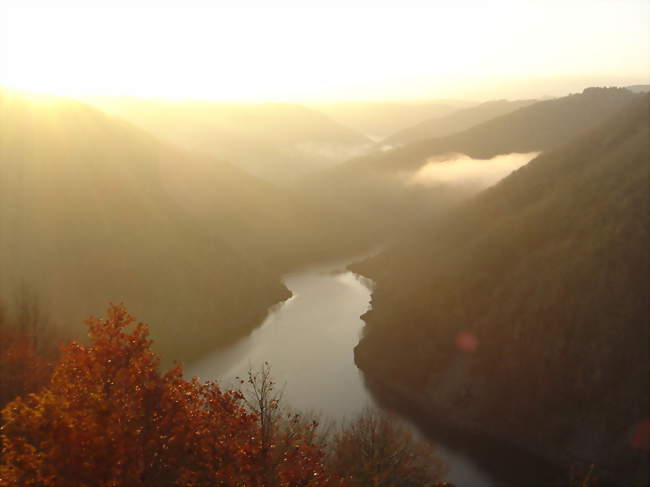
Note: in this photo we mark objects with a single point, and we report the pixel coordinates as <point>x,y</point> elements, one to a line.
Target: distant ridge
<point>277,142</point>
<point>639,88</point>
<point>379,120</point>
<point>373,186</point>
<point>537,127</point>
<point>455,122</point>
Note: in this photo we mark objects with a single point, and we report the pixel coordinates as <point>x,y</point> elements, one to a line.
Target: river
<point>308,340</point>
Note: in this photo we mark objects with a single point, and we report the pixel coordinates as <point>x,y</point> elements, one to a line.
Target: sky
<point>303,51</point>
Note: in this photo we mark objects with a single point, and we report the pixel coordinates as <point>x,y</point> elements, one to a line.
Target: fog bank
<point>463,170</point>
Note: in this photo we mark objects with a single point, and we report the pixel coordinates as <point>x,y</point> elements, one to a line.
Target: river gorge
<point>309,342</point>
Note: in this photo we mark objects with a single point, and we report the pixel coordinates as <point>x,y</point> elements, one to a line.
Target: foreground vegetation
<point>104,415</point>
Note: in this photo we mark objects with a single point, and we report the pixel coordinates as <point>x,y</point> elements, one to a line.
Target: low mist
<point>463,170</point>
<point>321,155</point>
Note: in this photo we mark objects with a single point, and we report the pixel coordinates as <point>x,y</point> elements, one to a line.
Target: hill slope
<point>524,314</point>
<point>639,88</point>
<point>538,127</point>
<point>278,142</point>
<point>94,210</point>
<point>457,121</point>
<point>379,188</point>
<point>379,120</point>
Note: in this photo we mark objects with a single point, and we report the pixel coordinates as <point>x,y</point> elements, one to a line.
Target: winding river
<point>309,341</point>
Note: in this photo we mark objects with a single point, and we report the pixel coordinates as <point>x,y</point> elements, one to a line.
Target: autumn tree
<point>289,443</point>
<point>376,451</point>
<point>108,417</point>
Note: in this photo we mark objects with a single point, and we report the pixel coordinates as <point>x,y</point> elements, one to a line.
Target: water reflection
<point>309,341</point>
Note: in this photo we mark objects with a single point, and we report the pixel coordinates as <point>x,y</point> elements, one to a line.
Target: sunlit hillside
<point>96,210</point>
<point>380,120</point>
<point>277,142</point>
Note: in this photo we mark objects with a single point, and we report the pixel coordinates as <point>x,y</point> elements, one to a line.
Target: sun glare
<point>305,54</point>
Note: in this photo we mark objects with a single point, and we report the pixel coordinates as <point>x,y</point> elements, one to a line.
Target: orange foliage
<point>108,417</point>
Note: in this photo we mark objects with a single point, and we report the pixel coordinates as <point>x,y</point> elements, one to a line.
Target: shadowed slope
<point>524,314</point>
<point>538,127</point>
<point>373,187</point>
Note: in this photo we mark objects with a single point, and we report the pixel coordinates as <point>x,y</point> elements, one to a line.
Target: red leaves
<point>108,417</point>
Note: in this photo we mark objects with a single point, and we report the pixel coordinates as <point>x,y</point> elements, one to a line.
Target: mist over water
<point>323,155</point>
<point>463,170</point>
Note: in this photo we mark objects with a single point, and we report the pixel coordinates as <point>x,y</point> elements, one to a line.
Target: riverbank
<point>508,463</point>
<point>309,342</point>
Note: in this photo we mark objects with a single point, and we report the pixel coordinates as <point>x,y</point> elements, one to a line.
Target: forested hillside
<point>524,313</point>
<point>94,210</point>
<point>541,126</point>
<point>379,188</point>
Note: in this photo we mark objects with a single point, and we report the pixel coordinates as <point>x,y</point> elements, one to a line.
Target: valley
<point>502,317</point>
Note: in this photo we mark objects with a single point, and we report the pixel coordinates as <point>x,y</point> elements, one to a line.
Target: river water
<point>308,340</point>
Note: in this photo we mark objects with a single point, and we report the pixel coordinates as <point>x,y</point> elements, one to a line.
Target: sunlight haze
<point>291,243</point>
<point>307,54</point>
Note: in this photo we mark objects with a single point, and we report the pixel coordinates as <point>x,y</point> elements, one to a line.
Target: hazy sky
<point>373,50</point>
